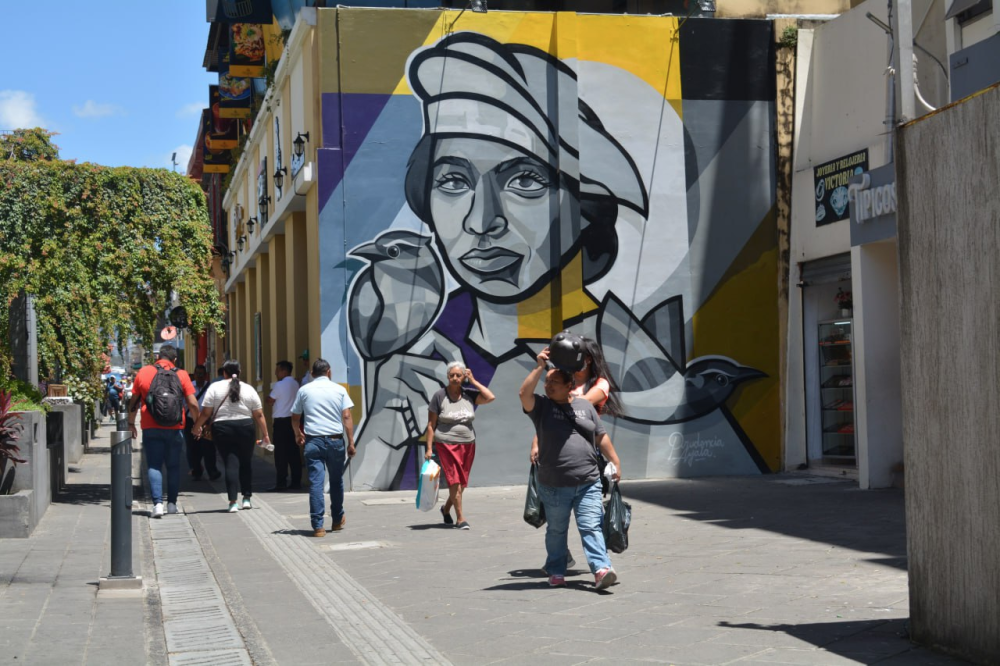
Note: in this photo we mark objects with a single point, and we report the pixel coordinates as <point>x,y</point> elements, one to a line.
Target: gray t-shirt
<point>565,456</point>
<point>454,421</point>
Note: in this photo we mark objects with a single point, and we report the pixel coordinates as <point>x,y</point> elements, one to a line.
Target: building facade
<point>470,184</point>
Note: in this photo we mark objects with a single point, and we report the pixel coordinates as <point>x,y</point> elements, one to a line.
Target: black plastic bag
<point>617,519</point>
<point>534,511</point>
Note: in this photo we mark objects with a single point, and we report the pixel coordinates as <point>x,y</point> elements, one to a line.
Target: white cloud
<point>92,109</point>
<point>183,157</point>
<point>189,110</point>
<point>17,110</point>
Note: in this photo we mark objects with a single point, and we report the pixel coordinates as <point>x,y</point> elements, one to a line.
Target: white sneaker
<point>158,510</point>
<point>233,507</point>
<point>246,503</point>
<point>171,507</point>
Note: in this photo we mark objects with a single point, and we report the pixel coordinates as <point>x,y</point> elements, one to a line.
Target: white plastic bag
<point>427,488</point>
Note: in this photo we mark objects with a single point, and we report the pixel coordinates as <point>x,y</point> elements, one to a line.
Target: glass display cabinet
<point>836,374</point>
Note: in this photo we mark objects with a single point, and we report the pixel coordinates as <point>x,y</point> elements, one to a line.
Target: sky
<point>121,81</point>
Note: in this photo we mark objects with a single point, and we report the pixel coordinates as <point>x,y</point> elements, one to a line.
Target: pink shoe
<point>605,578</point>
<point>557,581</point>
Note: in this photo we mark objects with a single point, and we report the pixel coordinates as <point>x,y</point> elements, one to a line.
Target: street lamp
<point>262,203</point>
<point>299,145</point>
<point>239,242</point>
<point>279,176</point>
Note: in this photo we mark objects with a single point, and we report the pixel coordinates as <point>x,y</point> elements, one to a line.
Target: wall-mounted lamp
<point>477,7</point>
<point>232,256</point>
<point>279,176</point>
<point>262,204</point>
<point>299,145</point>
<point>251,221</point>
<point>239,242</point>
<point>226,261</point>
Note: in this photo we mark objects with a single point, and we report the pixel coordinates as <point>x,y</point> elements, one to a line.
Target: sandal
<point>448,520</point>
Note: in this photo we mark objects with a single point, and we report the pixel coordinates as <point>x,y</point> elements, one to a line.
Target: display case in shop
<point>836,365</point>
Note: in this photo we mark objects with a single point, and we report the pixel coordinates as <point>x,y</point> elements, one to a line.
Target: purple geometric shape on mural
<point>360,110</point>
<point>351,116</point>
<point>331,171</point>
<point>409,479</point>
<point>454,323</point>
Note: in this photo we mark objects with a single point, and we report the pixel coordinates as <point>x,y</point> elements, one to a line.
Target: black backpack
<point>165,399</point>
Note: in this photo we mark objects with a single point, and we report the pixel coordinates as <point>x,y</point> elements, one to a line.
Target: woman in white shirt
<point>231,408</point>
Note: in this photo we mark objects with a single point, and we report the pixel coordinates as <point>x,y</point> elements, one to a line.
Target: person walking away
<point>159,394</point>
<point>568,429</point>
<point>449,431</point>
<point>326,409</point>
<point>203,450</point>
<point>233,407</point>
<point>287,456</point>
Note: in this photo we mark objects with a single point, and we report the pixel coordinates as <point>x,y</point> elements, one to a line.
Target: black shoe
<point>276,489</point>
<point>448,520</point>
<point>215,476</point>
<point>196,475</point>
<point>463,525</point>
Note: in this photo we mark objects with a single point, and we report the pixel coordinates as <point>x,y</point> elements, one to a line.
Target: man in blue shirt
<point>327,411</point>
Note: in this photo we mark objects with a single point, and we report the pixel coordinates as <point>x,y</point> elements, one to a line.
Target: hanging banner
<point>246,50</point>
<point>236,95</point>
<point>831,181</point>
<point>221,134</point>
<point>213,161</point>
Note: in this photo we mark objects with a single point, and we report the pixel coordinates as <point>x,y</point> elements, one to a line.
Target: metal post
<point>121,502</point>
<point>121,420</point>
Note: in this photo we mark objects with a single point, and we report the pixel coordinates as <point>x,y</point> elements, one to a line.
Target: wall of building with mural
<point>488,180</point>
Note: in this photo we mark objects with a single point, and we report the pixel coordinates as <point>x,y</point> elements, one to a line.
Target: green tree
<point>28,145</point>
<point>103,251</point>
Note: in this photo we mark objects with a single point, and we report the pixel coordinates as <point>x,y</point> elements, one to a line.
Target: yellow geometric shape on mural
<point>740,320</point>
<point>543,315</point>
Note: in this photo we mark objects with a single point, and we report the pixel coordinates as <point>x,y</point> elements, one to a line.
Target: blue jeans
<point>163,445</point>
<point>585,502</point>
<point>325,454</point>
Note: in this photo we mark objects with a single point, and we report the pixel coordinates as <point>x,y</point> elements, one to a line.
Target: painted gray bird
<point>656,387</point>
<point>397,298</point>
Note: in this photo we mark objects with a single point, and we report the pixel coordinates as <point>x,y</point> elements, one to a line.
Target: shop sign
<point>830,183</point>
<point>235,92</point>
<point>872,198</point>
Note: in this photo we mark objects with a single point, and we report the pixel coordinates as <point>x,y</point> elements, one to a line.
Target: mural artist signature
<point>692,450</point>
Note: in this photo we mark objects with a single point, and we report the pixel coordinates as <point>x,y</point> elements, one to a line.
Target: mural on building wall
<point>536,193</point>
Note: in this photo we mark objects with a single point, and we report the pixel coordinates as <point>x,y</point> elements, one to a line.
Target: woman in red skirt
<point>450,432</point>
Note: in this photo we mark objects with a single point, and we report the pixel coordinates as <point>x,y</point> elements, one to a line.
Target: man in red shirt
<point>161,443</point>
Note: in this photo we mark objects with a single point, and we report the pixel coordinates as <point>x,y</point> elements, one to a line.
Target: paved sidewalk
<point>50,608</point>
<point>785,569</point>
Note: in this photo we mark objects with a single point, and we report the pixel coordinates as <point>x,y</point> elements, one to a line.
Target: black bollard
<point>121,501</point>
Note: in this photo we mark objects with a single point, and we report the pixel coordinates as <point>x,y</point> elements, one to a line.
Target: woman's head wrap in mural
<point>472,86</point>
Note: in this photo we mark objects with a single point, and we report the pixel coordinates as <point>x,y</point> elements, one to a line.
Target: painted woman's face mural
<point>497,214</point>
<point>531,207</point>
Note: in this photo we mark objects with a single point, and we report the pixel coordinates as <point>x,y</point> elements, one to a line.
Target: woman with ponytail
<point>231,407</point>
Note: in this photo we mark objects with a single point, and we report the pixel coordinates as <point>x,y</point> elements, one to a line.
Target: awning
<point>962,6</point>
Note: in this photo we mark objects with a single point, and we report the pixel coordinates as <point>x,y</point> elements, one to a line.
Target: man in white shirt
<point>327,441</point>
<point>287,456</point>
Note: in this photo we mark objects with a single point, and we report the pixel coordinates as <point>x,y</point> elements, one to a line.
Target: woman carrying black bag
<point>568,477</point>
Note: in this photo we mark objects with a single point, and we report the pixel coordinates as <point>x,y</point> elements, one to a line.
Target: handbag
<point>534,510</point>
<point>206,432</point>
<point>617,519</point>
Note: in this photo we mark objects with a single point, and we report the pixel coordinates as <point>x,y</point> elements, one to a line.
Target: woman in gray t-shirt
<point>450,432</point>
